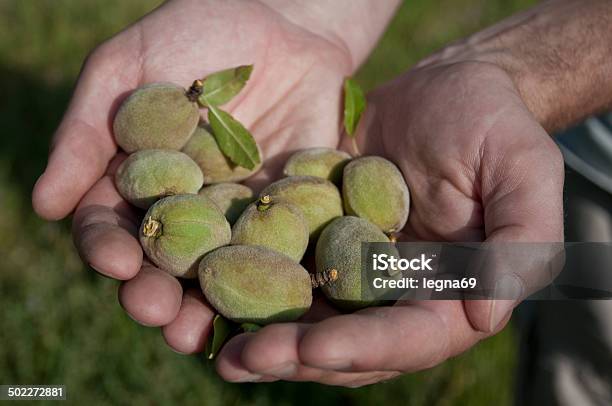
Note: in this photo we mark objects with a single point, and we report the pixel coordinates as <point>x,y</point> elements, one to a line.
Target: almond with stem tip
<point>318,199</point>
<point>275,224</point>
<point>156,115</point>
<point>339,248</point>
<point>178,230</point>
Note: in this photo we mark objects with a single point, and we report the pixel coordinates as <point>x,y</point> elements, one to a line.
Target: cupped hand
<point>292,101</point>
<point>479,168</point>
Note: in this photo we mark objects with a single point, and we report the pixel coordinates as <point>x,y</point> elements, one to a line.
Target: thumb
<point>83,144</point>
<point>522,193</point>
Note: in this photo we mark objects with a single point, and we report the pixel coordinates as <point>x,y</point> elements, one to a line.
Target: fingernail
<point>248,378</point>
<point>508,289</point>
<point>283,371</point>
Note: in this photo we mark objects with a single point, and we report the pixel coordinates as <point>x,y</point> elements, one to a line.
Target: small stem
<point>195,91</point>
<point>323,278</point>
<point>356,151</point>
<point>264,203</point>
<point>152,228</point>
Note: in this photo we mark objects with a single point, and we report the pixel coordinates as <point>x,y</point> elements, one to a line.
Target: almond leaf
<point>235,141</point>
<point>354,105</point>
<point>221,331</point>
<point>220,87</point>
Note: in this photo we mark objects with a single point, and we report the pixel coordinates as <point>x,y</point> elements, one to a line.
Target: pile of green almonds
<point>246,248</point>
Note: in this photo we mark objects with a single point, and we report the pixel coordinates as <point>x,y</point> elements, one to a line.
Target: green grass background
<point>60,323</point>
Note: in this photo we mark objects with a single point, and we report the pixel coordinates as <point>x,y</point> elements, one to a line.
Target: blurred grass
<point>60,323</point>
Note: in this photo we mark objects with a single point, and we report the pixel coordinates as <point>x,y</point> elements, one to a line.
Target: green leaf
<point>354,105</point>
<point>250,327</point>
<point>235,141</point>
<point>222,329</point>
<point>220,87</point>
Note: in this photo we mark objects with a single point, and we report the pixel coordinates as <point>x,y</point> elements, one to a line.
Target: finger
<point>507,272</point>
<point>104,229</point>
<point>188,332</point>
<point>83,143</point>
<point>273,351</point>
<point>406,337</point>
<point>522,191</point>
<point>229,366</point>
<point>152,297</point>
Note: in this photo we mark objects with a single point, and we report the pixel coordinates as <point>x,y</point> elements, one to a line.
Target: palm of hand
<point>292,100</point>
<point>468,147</point>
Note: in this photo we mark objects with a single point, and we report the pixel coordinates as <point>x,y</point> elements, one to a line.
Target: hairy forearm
<point>559,55</point>
<point>561,60</point>
<point>353,24</point>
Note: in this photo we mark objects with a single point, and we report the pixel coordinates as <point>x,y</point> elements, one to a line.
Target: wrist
<point>352,25</point>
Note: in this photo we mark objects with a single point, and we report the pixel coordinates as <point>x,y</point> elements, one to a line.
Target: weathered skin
<point>148,175</point>
<point>178,230</point>
<point>318,199</point>
<point>326,163</point>
<point>373,188</point>
<point>231,198</point>
<point>339,247</point>
<point>255,284</point>
<point>157,115</point>
<point>277,225</point>
<point>202,148</point>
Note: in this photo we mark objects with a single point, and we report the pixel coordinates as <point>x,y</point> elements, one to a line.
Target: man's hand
<point>466,127</point>
<point>479,167</point>
<point>301,54</point>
